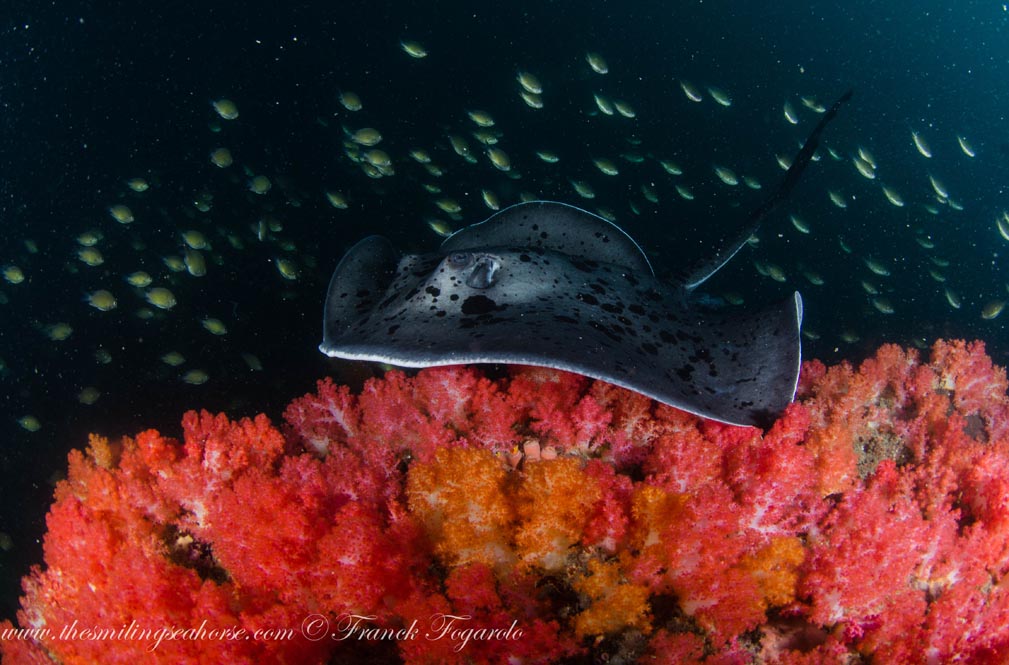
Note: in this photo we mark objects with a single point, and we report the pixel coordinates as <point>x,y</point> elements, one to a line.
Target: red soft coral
<point>882,525</point>
<point>544,516</point>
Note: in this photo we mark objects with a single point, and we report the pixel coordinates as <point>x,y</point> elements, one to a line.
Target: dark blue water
<point>93,95</point>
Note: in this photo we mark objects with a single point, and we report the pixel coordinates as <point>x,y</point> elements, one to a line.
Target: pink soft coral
<point>545,516</point>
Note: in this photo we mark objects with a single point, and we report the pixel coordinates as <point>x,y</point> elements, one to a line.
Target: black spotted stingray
<point>548,284</point>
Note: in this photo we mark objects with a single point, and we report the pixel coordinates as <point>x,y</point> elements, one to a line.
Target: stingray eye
<point>484,273</point>
<point>460,260</point>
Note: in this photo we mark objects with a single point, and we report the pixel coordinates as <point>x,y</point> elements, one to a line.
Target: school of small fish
<point>482,161</point>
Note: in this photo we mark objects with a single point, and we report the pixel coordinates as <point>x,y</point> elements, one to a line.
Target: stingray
<point>550,285</point>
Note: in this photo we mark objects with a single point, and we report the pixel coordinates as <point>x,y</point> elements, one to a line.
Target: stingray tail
<point>703,271</point>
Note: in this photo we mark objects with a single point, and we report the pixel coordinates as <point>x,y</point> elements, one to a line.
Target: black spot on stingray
<point>433,290</point>
<point>564,319</point>
<point>614,309</point>
<point>653,295</point>
<point>440,313</point>
<point>649,348</point>
<point>587,299</point>
<point>524,258</point>
<point>685,372</point>
<point>392,329</point>
<point>702,353</point>
<point>636,309</point>
<point>606,331</point>
<point>454,296</point>
<point>584,265</point>
<point>475,305</point>
<point>598,288</point>
<point>666,337</point>
<point>631,279</point>
<point>411,294</point>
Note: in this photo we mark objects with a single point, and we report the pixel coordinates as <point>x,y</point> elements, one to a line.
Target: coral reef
<point>544,517</point>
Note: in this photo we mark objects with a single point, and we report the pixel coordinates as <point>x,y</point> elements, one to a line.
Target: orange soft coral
<point>775,567</point>
<point>554,501</point>
<point>614,604</point>
<point>461,499</point>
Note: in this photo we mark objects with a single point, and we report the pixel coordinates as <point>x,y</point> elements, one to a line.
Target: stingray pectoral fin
<point>739,369</point>
<point>751,366</point>
<point>358,284</point>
